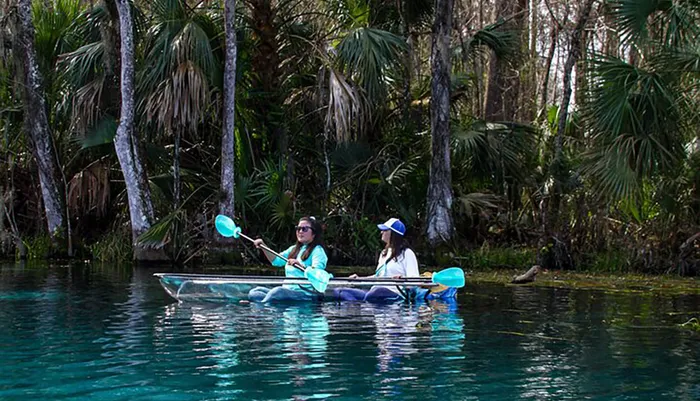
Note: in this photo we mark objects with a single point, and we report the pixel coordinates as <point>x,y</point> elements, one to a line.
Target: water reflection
<point>113,334</point>
<point>258,350</point>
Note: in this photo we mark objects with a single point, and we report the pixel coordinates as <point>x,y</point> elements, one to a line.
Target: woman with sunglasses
<point>307,252</point>
<point>397,260</point>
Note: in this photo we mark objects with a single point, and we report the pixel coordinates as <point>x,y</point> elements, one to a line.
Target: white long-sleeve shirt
<point>405,265</point>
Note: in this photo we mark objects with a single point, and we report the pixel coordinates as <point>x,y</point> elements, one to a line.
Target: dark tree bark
<point>126,144</point>
<point>560,254</point>
<point>109,32</point>
<point>266,64</point>
<point>553,36</point>
<point>36,124</point>
<point>228,148</point>
<point>440,225</point>
<point>574,55</point>
<point>504,83</point>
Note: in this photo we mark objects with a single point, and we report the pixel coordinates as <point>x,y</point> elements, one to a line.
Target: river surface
<point>108,333</point>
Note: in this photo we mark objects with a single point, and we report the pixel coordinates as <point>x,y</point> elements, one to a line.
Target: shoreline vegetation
<point>503,134</point>
<point>603,281</point>
<point>604,270</point>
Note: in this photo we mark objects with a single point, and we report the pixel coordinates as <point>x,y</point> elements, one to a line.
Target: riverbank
<point>623,282</point>
<point>626,282</point>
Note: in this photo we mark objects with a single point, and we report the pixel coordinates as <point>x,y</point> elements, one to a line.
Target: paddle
<point>317,277</point>
<point>450,277</point>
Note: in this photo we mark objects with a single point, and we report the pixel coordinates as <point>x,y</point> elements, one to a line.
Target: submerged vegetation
<point>692,324</point>
<point>572,138</point>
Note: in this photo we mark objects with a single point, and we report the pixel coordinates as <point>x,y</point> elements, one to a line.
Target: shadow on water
<point>114,334</point>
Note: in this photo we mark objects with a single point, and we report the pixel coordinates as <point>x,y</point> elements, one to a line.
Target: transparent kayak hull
<point>229,288</point>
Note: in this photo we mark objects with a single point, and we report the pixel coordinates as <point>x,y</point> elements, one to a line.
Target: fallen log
<point>528,277</point>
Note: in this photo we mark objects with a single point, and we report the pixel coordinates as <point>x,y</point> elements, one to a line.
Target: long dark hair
<point>397,243</point>
<point>317,229</point>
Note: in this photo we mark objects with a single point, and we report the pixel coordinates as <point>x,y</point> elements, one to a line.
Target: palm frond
<point>419,13</point>
<point>182,100</point>
<point>162,233</point>
<point>100,134</point>
<point>684,60</point>
<point>89,190</point>
<point>503,43</point>
<point>52,22</point>
<point>495,150</point>
<point>347,109</point>
<point>366,55</point>
<point>483,204</point>
<point>348,13</point>
<point>180,65</point>
<point>676,19</point>
<point>638,113</point>
<point>83,64</point>
<point>612,173</point>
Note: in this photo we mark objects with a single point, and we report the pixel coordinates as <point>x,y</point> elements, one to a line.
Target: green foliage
<point>487,257</point>
<point>52,21</point>
<point>366,55</point>
<point>613,261</point>
<point>115,246</point>
<point>364,239</point>
<point>344,132</point>
<point>38,247</point>
<point>101,134</point>
<point>692,324</point>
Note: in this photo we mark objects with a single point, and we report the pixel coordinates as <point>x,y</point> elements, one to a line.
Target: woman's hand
<point>396,276</point>
<point>258,243</point>
<point>294,262</point>
<point>353,276</point>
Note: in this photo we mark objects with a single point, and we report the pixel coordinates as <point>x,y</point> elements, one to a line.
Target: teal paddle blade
<point>226,227</point>
<point>318,278</point>
<point>452,277</point>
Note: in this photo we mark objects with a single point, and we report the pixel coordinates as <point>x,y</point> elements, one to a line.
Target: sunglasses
<point>303,228</point>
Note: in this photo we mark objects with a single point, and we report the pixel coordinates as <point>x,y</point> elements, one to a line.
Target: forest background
<point>562,133</point>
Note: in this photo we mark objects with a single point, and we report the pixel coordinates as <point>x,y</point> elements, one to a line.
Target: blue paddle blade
<point>318,278</point>
<point>226,227</point>
<point>452,277</point>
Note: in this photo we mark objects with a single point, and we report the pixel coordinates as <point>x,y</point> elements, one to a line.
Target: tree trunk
<point>554,34</point>
<point>408,58</point>
<point>440,226</point>
<point>581,79</point>
<point>36,124</point>
<point>574,54</point>
<point>555,230</point>
<point>504,83</point>
<point>265,61</point>
<point>126,144</point>
<point>228,148</point>
<point>109,33</point>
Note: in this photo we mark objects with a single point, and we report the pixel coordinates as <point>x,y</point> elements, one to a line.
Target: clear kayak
<point>228,288</point>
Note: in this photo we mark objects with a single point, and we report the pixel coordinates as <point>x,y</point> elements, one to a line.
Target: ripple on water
<point>128,341</point>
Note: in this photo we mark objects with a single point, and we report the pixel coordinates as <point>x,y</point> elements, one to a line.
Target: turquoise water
<point>113,334</point>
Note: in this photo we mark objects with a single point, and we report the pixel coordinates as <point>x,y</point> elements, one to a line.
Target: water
<point>113,334</point>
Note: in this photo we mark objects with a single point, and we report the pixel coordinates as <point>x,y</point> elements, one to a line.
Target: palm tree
<point>37,126</point>
<point>126,143</point>
<point>641,113</point>
<point>439,221</point>
<point>504,82</point>
<point>226,203</point>
<point>181,66</point>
